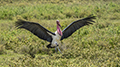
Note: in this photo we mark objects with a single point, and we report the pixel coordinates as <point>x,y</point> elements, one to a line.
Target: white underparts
<point>56,39</point>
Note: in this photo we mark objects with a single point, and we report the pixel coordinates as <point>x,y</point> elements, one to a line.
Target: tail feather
<point>49,46</point>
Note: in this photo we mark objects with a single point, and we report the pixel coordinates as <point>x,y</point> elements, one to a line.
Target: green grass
<point>91,46</point>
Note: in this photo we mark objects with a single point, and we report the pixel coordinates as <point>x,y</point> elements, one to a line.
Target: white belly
<point>56,40</point>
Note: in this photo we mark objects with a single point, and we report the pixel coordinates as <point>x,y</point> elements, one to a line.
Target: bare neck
<point>59,30</point>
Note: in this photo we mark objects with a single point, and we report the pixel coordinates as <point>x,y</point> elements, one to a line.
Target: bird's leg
<point>58,48</point>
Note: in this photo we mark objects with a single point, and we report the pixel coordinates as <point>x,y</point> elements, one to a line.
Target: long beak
<point>59,25</point>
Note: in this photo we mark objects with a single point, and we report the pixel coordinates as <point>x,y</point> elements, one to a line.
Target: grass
<point>91,46</point>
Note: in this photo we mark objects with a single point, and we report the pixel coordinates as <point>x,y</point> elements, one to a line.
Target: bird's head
<point>58,23</point>
<point>58,29</point>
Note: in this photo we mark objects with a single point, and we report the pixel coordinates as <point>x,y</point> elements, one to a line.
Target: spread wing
<point>70,29</point>
<point>36,29</point>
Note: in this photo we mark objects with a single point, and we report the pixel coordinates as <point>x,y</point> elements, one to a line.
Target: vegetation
<point>91,46</point>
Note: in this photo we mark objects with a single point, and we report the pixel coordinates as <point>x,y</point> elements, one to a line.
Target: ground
<point>91,46</point>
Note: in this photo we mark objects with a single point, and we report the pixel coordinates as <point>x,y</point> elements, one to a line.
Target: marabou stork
<point>54,38</point>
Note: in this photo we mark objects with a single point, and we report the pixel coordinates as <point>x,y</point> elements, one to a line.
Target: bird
<point>54,38</point>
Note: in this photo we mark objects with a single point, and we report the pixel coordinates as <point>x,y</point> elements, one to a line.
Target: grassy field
<point>96,45</point>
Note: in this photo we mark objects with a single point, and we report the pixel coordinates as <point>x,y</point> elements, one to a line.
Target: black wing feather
<point>36,29</point>
<point>70,29</point>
